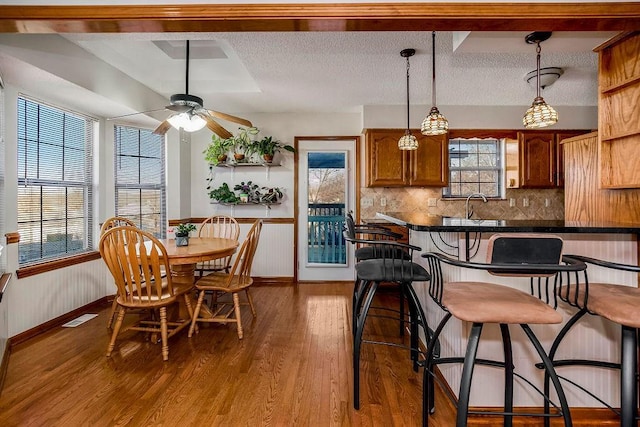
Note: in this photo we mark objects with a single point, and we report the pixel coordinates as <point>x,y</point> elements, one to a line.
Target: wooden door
<point>386,164</point>
<point>537,159</point>
<point>429,164</point>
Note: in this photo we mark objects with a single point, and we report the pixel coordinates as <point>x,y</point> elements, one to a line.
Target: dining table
<point>183,259</point>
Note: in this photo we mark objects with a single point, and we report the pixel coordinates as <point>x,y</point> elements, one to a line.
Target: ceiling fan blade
<point>215,127</point>
<point>162,128</point>
<point>178,108</point>
<point>139,112</point>
<point>230,118</point>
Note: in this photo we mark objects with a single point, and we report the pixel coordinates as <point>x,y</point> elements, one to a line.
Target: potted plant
<point>269,195</point>
<point>223,194</point>
<point>248,192</point>
<point>242,142</point>
<point>182,233</point>
<point>268,146</point>
<point>217,150</point>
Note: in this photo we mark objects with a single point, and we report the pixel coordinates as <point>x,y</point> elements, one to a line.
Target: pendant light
<point>540,114</point>
<point>408,141</point>
<point>435,123</point>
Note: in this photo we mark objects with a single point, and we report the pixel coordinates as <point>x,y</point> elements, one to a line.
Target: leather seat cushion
<point>387,270</point>
<point>373,252</point>
<point>618,303</point>
<point>492,303</point>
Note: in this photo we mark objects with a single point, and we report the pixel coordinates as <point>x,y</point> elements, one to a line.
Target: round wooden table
<point>183,259</point>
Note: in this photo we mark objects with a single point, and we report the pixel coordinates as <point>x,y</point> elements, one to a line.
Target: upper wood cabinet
<point>541,162</point>
<point>387,166</point>
<point>619,112</point>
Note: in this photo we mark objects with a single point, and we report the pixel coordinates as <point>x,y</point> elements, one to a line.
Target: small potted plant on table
<point>182,233</point>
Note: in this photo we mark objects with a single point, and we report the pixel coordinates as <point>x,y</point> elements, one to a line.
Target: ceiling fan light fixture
<point>187,121</point>
<point>540,114</point>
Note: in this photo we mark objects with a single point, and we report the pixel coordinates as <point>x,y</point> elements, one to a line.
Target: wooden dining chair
<point>238,279</point>
<point>108,224</point>
<point>218,226</point>
<point>138,274</point>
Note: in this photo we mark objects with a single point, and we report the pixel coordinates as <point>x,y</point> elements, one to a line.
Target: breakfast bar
<point>466,239</point>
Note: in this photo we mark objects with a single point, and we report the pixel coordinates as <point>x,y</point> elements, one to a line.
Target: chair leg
<point>116,330</point>
<point>236,308</point>
<point>112,313</point>
<point>628,377</point>
<point>250,299</point>
<point>357,341</point>
<point>467,374</point>
<point>196,313</point>
<point>164,333</point>
<point>548,365</point>
<point>508,374</point>
<point>402,292</point>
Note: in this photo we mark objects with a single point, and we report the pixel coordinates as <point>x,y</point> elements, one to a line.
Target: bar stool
<point>373,232</point>
<point>619,304</point>
<point>390,266</point>
<point>513,255</point>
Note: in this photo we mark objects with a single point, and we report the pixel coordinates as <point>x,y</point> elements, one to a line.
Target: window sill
<point>47,266</point>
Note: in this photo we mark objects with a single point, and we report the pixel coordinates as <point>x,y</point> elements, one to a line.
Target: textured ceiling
<point>344,71</point>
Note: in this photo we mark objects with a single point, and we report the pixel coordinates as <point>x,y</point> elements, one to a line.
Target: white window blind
<point>55,200</point>
<point>140,178</point>
<point>475,166</point>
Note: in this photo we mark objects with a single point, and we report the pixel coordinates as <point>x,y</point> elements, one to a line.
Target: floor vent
<point>79,320</point>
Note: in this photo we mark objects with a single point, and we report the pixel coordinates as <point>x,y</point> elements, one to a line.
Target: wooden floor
<point>293,367</point>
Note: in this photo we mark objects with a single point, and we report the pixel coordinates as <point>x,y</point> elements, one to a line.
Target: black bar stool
<point>391,265</point>
<point>515,255</point>
<point>619,304</point>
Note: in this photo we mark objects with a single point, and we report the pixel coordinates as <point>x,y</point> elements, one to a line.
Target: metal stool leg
<point>508,374</point>
<point>467,375</point>
<point>628,378</point>
<point>360,322</point>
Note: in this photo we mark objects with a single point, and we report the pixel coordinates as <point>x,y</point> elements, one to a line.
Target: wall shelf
<point>233,166</point>
<point>267,206</point>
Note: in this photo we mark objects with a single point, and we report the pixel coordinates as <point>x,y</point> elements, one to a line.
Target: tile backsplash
<point>518,204</point>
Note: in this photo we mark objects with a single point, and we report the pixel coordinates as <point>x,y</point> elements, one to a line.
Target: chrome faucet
<point>469,209</point>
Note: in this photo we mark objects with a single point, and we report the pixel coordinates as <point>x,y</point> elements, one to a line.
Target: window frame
<point>47,263</point>
<point>162,187</point>
<point>499,134</point>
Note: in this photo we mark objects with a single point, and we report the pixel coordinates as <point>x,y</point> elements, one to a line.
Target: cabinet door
<point>537,159</point>
<point>560,154</point>
<point>386,164</point>
<point>429,164</point>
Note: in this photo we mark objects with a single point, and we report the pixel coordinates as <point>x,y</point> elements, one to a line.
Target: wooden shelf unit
<point>619,112</point>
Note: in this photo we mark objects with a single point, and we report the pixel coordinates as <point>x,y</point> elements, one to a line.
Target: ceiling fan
<point>189,113</point>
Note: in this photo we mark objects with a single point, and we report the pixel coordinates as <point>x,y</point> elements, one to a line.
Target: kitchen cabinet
<point>387,166</point>
<point>541,161</point>
<point>619,112</point>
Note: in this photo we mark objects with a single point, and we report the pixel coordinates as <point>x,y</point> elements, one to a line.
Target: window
<point>140,178</point>
<point>55,201</point>
<point>475,166</point>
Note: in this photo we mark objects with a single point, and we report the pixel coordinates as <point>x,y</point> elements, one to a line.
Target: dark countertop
<point>422,222</point>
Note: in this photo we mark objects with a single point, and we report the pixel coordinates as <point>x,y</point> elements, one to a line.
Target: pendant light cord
<point>408,93</point>
<point>433,68</point>
<point>538,49</point>
<point>187,76</point>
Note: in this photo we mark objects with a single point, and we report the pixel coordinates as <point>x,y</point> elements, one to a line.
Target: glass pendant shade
<point>539,115</point>
<point>188,122</point>
<point>408,141</point>
<point>435,123</point>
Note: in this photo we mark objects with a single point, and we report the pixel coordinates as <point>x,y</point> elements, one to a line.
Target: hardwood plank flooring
<point>293,367</point>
